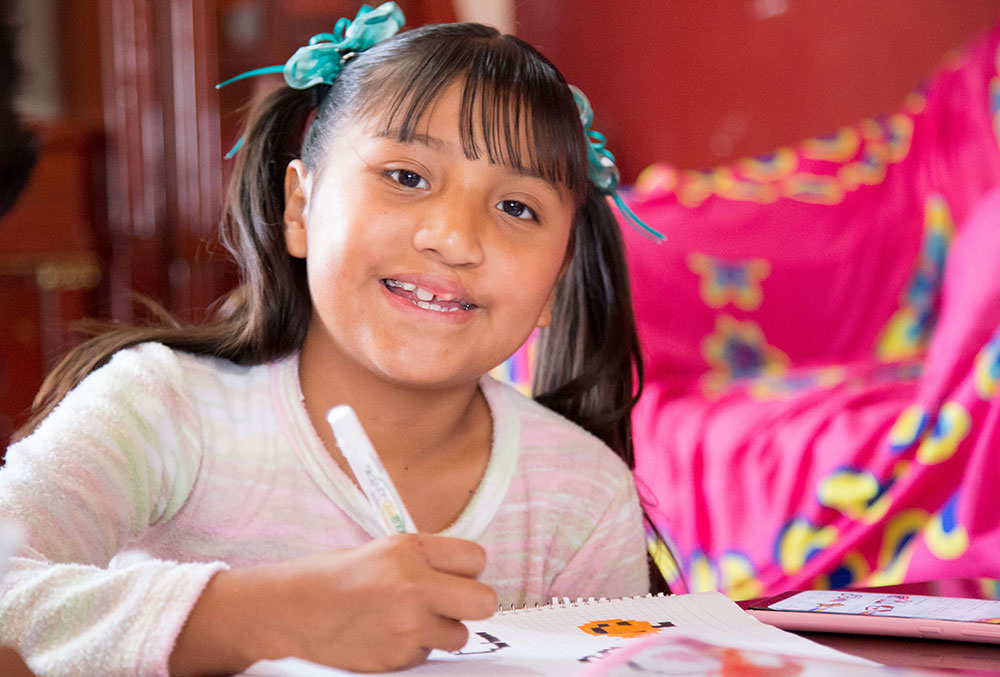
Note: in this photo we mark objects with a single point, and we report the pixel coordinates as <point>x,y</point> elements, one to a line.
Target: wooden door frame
<point>164,154</point>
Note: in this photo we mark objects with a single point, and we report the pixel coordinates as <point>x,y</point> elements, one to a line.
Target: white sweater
<point>162,468</point>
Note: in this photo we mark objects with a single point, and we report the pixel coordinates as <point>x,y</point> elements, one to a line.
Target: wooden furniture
<point>50,263</point>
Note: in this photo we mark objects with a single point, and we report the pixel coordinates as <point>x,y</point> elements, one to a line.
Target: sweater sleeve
<point>118,455</point>
<point>612,561</point>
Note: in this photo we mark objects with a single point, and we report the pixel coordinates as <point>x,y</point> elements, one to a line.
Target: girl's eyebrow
<point>424,139</point>
<point>440,144</point>
<point>528,172</point>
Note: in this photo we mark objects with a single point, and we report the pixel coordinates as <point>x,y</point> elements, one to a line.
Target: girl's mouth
<point>425,299</point>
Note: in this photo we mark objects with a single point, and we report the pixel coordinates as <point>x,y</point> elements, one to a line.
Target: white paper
<point>552,641</point>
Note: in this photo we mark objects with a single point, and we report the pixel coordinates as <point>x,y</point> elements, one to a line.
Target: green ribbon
<point>601,167</point>
<point>322,60</point>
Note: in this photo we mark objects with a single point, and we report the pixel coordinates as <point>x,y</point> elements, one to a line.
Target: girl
<point>401,229</point>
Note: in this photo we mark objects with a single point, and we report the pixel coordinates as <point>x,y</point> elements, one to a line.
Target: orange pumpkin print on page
<point>616,627</point>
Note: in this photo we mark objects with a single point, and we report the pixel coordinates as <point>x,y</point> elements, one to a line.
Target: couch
<point>821,331</point>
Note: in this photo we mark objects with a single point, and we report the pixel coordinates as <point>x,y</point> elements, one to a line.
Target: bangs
<point>516,108</point>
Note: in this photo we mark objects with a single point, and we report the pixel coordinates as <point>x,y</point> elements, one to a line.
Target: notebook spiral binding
<point>566,602</point>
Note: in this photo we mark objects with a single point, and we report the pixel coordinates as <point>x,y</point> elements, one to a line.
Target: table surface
<point>961,658</point>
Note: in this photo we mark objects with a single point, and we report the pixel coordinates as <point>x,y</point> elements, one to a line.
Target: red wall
<point>699,82</point>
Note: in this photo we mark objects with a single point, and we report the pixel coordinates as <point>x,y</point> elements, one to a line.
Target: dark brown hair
<point>588,366</point>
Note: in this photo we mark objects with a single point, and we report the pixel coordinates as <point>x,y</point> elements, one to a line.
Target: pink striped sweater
<point>161,468</point>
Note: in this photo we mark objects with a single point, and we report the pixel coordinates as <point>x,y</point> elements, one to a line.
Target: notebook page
<point>567,637</point>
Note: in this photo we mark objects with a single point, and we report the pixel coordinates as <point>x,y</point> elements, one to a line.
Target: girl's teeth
<point>434,306</point>
<point>408,286</point>
<point>425,297</point>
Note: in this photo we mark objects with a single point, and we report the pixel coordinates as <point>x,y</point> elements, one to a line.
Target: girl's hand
<point>381,606</point>
<point>11,664</point>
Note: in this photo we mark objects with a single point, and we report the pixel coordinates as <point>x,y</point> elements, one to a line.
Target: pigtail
<point>266,316</point>
<point>272,300</point>
<point>588,365</point>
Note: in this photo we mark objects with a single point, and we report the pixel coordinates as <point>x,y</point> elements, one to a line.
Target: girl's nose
<point>452,231</point>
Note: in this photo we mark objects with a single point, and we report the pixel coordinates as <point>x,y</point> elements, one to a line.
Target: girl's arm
<point>378,607</point>
<point>119,453</point>
<point>11,664</point>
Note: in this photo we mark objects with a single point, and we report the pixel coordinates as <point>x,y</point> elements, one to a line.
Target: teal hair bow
<point>322,60</point>
<point>601,167</point>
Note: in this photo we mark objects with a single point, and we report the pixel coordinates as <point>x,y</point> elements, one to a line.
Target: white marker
<point>369,471</point>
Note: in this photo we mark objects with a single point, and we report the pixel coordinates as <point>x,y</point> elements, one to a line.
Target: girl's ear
<point>545,319</point>
<point>296,203</point>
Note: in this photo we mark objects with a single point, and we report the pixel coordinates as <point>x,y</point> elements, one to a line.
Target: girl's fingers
<point>412,661</point>
<point>446,634</point>
<point>459,598</point>
<point>452,555</point>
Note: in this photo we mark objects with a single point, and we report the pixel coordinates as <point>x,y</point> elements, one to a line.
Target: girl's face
<point>425,267</point>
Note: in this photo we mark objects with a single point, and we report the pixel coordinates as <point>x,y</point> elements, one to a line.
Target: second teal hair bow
<point>602,170</point>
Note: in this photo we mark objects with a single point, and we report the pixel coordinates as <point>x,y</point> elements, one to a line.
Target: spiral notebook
<point>570,638</point>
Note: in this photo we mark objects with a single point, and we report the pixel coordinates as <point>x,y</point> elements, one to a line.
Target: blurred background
<point>127,191</point>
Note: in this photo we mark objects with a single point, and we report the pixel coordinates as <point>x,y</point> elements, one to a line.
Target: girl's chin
<point>429,382</point>
<point>427,371</point>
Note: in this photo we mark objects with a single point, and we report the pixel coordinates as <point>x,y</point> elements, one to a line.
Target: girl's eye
<point>405,177</point>
<point>517,209</point>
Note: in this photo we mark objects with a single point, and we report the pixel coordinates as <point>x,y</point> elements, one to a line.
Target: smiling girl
<point>401,226</point>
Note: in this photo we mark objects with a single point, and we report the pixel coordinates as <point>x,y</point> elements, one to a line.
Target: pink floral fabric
<point>822,340</point>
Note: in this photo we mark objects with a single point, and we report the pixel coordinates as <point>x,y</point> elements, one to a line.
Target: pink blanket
<point>822,336</point>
